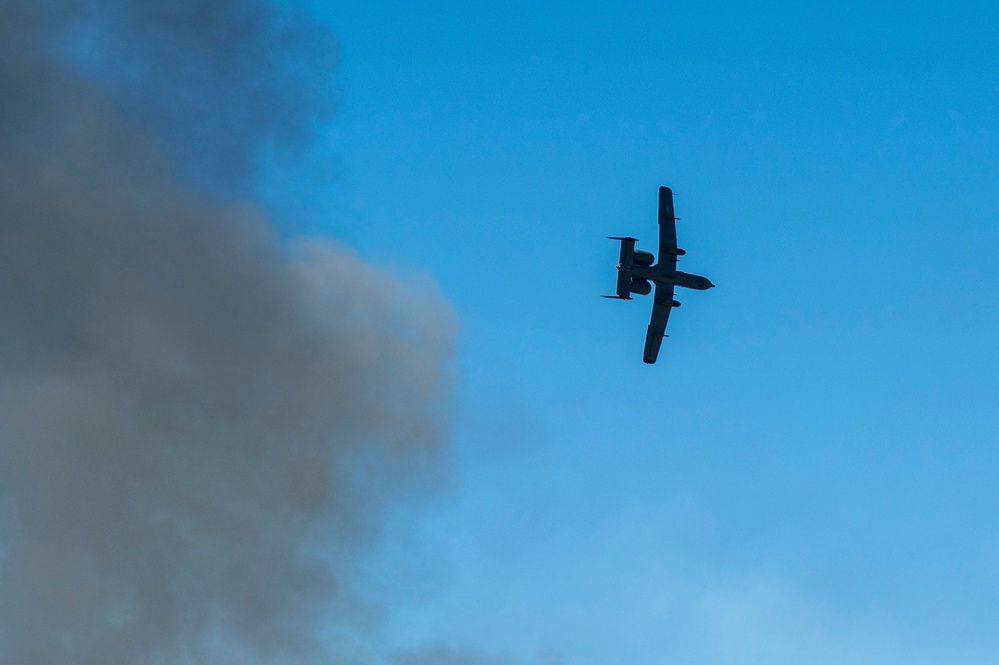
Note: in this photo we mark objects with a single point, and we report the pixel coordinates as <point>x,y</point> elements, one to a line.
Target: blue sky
<point>808,473</point>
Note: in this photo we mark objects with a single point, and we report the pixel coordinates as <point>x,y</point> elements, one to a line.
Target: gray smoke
<point>199,424</point>
<point>218,79</point>
<point>444,655</point>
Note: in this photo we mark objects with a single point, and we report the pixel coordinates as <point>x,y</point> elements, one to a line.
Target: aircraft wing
<point>667,229</point>
<point>660,315</point>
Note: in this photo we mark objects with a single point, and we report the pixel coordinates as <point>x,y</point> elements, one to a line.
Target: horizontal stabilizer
<point>623,285</point>
<point>627,258</point>
<point>617,297</point>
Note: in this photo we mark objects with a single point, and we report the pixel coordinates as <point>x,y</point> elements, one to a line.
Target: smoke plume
<point>199,423</point>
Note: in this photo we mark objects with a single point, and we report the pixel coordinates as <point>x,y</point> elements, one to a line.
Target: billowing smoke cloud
<point>218,79</point>
<point>199,424</point>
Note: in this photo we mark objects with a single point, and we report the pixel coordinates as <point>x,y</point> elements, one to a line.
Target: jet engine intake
<point>641,286</point>
<point>644,258</point>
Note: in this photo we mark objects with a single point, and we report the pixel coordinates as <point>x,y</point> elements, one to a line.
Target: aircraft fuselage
<point>665,276</point>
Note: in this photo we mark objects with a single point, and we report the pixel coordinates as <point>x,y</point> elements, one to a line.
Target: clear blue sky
<point>808,475</point>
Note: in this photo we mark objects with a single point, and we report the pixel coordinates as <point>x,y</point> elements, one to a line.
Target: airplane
<point>636,274</point>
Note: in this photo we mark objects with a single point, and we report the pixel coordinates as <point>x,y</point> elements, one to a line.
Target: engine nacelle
<point>641,286</point>
<point>677,251</point>
<point>676,303</point>
<point>644,258</point>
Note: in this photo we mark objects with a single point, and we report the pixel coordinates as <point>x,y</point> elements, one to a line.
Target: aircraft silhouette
<point>636,274</point>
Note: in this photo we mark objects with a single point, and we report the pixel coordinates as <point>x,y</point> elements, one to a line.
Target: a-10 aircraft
<point>636,274</point>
